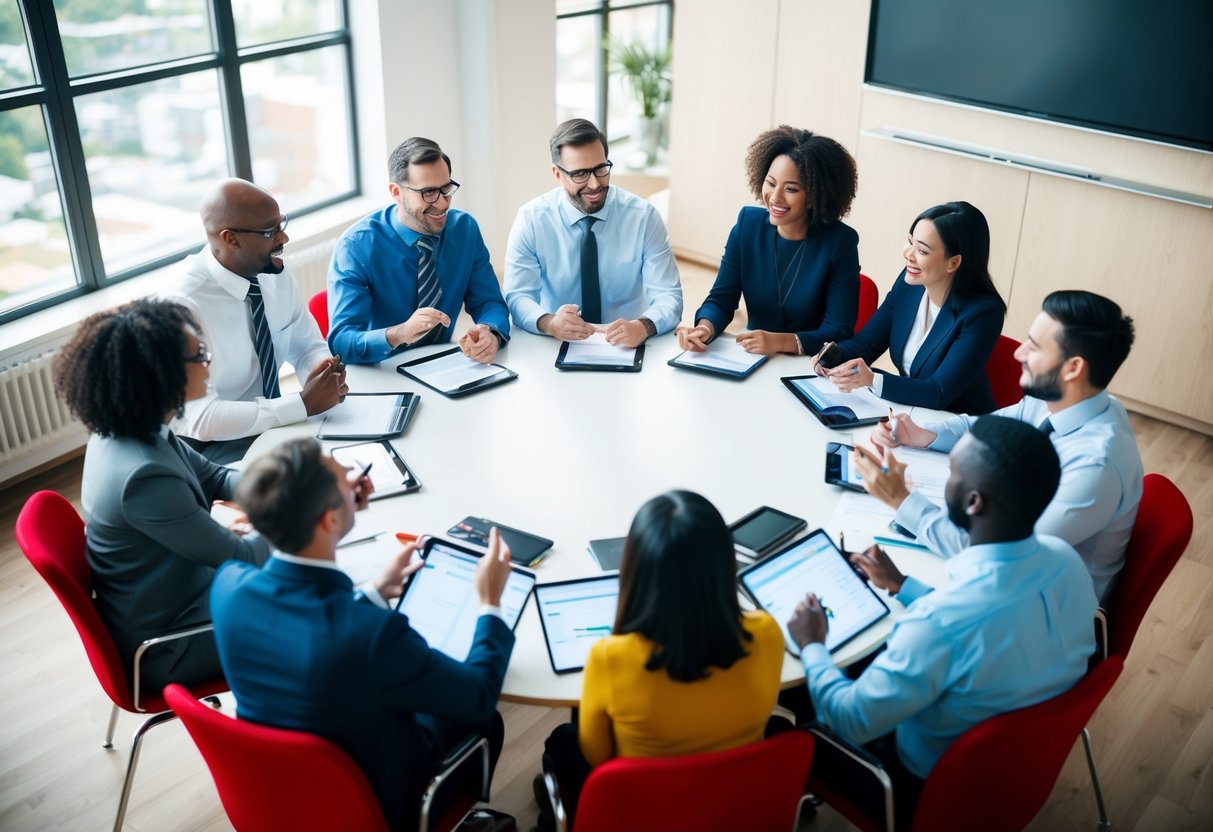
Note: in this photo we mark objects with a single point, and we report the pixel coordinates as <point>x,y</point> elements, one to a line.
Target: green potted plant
<point>647,71</point>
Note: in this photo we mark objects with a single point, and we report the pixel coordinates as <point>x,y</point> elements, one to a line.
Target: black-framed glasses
<point>203,356</point>
<point>431,195</point>
<point>267,233</point>
<point>581,176</point>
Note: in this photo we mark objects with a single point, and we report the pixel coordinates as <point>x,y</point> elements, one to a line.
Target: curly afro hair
<point>827,170</point>
<point>124,368</point>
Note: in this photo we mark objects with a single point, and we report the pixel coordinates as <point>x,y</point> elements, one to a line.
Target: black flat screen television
<point>1138,67</point>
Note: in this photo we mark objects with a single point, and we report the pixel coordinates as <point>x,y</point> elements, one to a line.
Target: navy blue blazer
<point>948,372</point>
<point>301,653</point>
<point>822,296</point>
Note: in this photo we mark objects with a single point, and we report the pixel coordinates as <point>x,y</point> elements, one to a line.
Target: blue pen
<point>905,544</point>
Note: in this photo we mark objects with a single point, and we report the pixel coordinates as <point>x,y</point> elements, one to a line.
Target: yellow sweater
<point>628,711</point>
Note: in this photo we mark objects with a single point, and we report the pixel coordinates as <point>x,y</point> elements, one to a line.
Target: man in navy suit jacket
<point>303,651</point>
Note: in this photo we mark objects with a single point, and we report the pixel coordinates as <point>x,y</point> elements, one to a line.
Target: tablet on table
<point>576,614</point>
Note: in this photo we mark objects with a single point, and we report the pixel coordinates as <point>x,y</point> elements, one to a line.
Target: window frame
<point>54,92</point>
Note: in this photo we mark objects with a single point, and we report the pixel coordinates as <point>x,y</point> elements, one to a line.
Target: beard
<point>1046,386</point>
<point>956,513</point>
<point>270,267</point>
<point>583,205</point>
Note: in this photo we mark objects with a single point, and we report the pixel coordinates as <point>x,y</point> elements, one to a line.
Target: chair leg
<point>1104,823</point>
<point>214,700</point>
<point>136,744</point>
<point>109,732</point>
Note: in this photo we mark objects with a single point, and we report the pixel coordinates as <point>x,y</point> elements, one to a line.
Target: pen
<point>892,425</point>
<point>367,539</point>
<point>406,537</point>
<point>365,471</point>
<point>904,544</point>
<point>842,542</point>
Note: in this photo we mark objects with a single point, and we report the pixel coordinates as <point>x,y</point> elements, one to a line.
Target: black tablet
<point>454,375</point>
<point>441,602</point>
<point>595,354</point>
<point>839,470</point>
<point>722,358</point>
<point>575,614</point>
<point>833,408</point>
<point>814,564</point>
<point>526,549</point>
<point>763,530</point>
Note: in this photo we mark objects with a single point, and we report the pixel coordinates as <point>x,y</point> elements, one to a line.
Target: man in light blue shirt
<point>587,253</point>
<point>1074,347</point>
<point>1014,626</point>
<point>399,277</point>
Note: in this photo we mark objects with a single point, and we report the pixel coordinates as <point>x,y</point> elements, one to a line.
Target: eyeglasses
<point>581,176</point>
<point>203,356</point>
<point>431,195</point>
<point>267,233</point>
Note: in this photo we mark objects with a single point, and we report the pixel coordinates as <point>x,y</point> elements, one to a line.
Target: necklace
<point>792,266</point>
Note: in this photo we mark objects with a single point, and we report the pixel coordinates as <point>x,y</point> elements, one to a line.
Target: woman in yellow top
<point>684,671</point>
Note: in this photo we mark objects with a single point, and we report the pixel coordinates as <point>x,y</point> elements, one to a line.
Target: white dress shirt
<point>234,405</point>
<point>928,314</point>
<point>637,274</point>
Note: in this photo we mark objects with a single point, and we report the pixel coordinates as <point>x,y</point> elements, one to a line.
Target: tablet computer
<point>723,358</point>
<point>576,614</point>
<point>839,470</point>
<point>441,602</point>
<point>594,353</point>
<point>814,564</point>
<point>833,408</point>
<point>763,530</point>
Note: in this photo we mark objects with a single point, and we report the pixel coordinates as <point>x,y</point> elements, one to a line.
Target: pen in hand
<point>892,425</point>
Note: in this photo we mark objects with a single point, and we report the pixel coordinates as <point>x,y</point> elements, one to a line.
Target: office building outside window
<point>117,115</point>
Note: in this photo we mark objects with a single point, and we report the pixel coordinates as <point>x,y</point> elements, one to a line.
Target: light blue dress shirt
<point>1096,502</point>
<point>372,282</point>
<point>636,270</point>
<point>1013,628</point>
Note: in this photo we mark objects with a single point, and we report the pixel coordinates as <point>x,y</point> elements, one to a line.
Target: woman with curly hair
<point>151,543</point>
<point>793,259</point>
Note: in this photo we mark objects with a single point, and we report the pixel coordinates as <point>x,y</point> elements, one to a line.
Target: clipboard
<point>393,414</point>
<point>864,409</point>
<point>431,372</point>
<point>712,362</point>
<point>390,476</point>
<point>603,366</point>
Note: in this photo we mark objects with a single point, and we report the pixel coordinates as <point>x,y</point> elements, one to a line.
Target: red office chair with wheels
<point>1160,536</point>
<point>1004,371</point>
<point>269,778</point>
<point>318,305</point>
<point>756,787</point>
<point>995,776</point>
<point>869,299</point>
<point>51,534</point>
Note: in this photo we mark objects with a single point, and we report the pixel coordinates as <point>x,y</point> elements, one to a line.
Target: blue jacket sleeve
<point>351,296</point>
<point>842,293</point>
<point>483,299</point>
<point>873,340</point>
<point>722,301</point>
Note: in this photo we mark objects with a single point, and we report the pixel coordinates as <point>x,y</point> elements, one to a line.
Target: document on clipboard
<point>595,353</point>
<point>724,357</point>
<point>369,416</point>
<point>833,408</point>
<point>389,473</point>
<point>453,374</point>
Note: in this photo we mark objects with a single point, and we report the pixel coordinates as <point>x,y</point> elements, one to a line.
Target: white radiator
<point>35,426</point>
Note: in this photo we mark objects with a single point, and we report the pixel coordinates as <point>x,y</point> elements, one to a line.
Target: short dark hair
<point>678,587</point>
<point>286,491</point>
<point>963,230</point>
<point>575,131</point>
<point>1019,466</point>
<point>414,151</point>
<point>1094,328</point>
<point>123,369</point>
<point>826,170</point>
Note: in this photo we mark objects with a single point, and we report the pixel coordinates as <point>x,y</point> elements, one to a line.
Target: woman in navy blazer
<point>939,322</point>
<point>794,261</point>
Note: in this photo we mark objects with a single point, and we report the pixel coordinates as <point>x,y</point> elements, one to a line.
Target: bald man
<point>238,288</point>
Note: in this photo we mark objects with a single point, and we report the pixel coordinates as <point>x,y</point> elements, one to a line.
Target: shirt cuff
<point>878,384</point>
<point>813,655</point>
<point>288,409</point>
<point>369,590</point>
<point>911,511</point>
<point>911,590</point>
<point>491,609</point>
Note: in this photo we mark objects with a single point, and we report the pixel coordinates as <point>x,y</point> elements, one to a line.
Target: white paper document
<point>926,471</point>
<point>596,351</point>
<point>453,371</point>
<point>359,416</point>
<point>385,474</point>
<point>861,518</point>
<point>722,354</point>
<point>863,403</point>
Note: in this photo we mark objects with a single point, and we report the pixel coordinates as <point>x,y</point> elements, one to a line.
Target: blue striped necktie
<point>429,293</point>
<point>261,338</point>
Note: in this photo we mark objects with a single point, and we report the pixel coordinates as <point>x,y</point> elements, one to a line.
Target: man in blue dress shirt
<point>1074,347</point>
<point>399,277</point>
<point>588,255</point>
<point>1014,626</point>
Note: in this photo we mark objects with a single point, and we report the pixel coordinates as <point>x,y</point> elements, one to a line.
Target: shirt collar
<point>298,561</point>
<point>1077,415</point>
<point>228,281</point>
<point>573,215</point>
<point>405,233</point>
<point>164,432</point>
<point>971,561</point>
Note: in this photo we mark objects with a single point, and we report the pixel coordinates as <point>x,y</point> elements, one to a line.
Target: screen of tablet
<point>575,614</point>
<point>441,602</point>
<point>814,564</point>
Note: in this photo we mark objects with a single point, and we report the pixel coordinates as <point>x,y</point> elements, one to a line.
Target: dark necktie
<point>263,342</point>
<point>429,293</point>
<point>591,294</point>
<point>1046,427</point>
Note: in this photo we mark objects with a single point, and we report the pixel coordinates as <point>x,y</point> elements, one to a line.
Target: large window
<point>117,115</point>
<point>586,31</point>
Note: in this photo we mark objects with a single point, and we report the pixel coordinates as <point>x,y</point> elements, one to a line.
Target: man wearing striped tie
<point>400,276</point>
<point>254,318</point>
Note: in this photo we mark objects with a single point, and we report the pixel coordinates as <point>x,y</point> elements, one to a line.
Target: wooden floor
<point>1153,736</point>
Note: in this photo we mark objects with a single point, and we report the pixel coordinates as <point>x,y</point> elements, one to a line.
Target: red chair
<point>51,534</point>
<point>1160,536</point>
<point>269,778</point>
<point>318,305</point>
<point>756,787</point>
<point>869,299</point>
<point>1003,371</point>
<point>996,775</point>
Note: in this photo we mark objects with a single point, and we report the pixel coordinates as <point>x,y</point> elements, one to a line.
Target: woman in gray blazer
<point>152,544</point>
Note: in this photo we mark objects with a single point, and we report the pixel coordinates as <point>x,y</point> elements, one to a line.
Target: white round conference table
<point>572,455</point>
